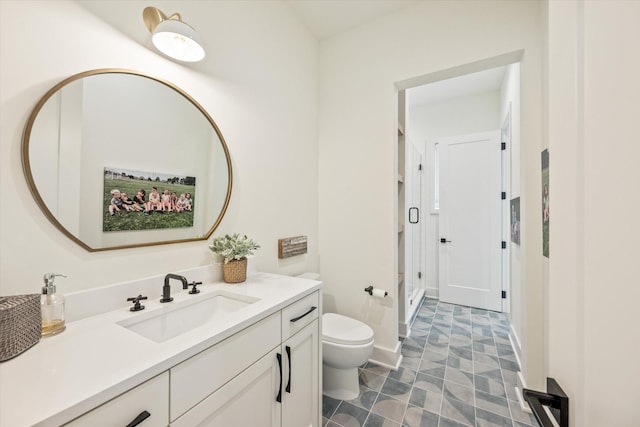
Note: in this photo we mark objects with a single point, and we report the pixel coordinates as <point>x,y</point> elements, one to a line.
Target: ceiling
<point>458,87</point>
<point>326,18</point>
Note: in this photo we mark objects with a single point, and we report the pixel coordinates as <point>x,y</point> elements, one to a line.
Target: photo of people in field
<point>545,203</point>
<point>136,200</point>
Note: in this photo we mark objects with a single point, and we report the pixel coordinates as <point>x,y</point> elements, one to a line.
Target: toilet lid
<point>345,330</point>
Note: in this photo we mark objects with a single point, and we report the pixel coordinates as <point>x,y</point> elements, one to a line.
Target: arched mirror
<point>98,147</point>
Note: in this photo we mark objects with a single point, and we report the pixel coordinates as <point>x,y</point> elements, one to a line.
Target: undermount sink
<point>173,320</point>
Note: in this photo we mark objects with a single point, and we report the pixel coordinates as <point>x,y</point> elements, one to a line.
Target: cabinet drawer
<point>299,314</point>
<point>151,396</point>
<point>196,378</point>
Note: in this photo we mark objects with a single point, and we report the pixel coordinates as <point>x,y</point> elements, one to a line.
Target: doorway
<point>461,105</point>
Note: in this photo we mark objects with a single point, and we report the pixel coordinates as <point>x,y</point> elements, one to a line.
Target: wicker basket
<point>235,271</point>
<point>20,324</point>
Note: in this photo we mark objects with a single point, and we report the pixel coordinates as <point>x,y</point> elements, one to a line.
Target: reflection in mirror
<point>117,129</point>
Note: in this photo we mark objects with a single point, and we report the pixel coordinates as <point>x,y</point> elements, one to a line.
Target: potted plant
<point>233,249</point>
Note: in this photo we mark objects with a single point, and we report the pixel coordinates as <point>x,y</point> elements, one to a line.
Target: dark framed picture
<point>138,200</point>
<point>515,220</point>
<point>545,203</point>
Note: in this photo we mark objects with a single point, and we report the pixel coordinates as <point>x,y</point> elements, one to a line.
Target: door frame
<point>505,136</point>
<point>400,87</point>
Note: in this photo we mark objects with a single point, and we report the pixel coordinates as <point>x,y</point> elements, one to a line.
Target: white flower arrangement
<point>234,247</point>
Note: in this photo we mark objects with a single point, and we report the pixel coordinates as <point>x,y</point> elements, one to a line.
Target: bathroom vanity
<point>232,355</point>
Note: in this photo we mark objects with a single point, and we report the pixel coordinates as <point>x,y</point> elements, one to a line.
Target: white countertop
<point>95,359</point>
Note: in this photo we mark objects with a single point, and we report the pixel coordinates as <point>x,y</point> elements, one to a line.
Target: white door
<point>470,220</point>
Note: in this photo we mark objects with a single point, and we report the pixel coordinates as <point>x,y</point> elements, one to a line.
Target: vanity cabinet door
<point>250,399</point>
<point>129,408</point>
<point>196,378</point>
<point>300,397</point>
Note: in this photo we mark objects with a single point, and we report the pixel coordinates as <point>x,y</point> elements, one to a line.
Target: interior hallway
<point>458,369</point>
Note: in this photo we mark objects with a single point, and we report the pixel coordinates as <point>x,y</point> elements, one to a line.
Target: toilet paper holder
<point>369,290</point>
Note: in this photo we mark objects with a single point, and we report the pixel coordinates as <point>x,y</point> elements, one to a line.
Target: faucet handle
<point>193,287</point>
<point>136,301</point>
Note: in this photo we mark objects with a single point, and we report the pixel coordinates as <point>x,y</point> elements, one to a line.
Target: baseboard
<point>404,330</point>
<point>515,342</point>
<point>522,384</point>
<point>387,357</point>
<point>515,346</point>
<point>414,310</point>
<point>432,293</point>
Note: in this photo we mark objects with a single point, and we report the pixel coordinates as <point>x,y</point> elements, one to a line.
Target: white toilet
<point>346,344</point>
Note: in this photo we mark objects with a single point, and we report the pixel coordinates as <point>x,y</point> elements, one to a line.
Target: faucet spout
<point>166,289</point>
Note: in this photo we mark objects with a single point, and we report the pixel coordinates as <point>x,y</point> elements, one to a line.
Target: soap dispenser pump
<point>52,306</point>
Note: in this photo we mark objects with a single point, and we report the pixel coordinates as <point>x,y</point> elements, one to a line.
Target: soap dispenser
<point>52,307</point>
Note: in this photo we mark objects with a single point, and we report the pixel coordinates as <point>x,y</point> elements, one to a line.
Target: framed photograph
<point>545,203</point>
<point>515,220</point>
<point>138,200</point>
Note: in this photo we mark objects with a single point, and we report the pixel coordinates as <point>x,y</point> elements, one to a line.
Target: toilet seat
<point>340,329</point>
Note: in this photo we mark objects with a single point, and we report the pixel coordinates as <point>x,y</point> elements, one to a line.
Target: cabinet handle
<point>279,396</point>
<point>295,319</point>
<point>139,419</point>
<point>288,388</point>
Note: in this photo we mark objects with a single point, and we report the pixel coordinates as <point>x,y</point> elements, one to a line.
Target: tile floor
<point>458,369</point>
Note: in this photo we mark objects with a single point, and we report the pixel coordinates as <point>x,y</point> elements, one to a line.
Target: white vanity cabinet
<point>130,408</point>
<point>259,365</point>
<point>266,375</point>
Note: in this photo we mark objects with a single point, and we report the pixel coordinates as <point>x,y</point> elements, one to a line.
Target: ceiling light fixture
<point>173,37</point>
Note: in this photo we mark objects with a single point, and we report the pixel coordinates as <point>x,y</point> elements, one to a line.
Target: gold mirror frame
<point>26,164</point>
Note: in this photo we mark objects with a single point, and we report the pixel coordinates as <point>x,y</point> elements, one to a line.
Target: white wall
<point>258,82</point>
<point>593,111</point>
<point>356,151</point>
<point>428,122</point>
<point>510,104</point>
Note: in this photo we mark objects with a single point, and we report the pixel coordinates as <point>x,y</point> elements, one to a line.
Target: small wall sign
<point>292,246</point>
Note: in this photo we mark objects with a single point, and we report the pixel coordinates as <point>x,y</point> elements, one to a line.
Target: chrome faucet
<point>166,289</point>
